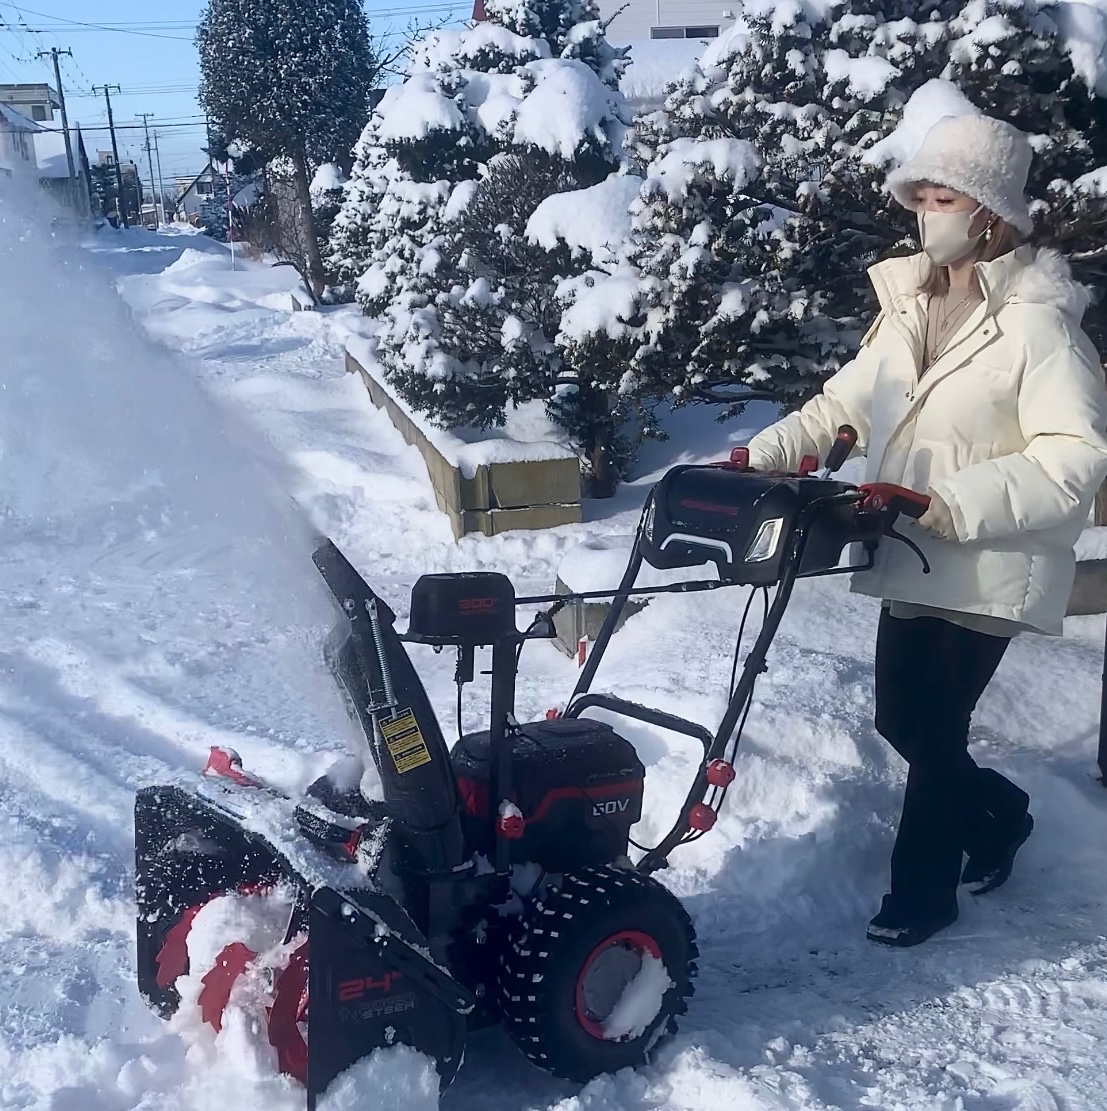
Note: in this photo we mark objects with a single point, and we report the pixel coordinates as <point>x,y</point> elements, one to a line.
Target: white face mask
<point>945,235</point>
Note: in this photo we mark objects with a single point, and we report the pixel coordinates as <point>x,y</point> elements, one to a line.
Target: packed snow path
<point>157,597</point>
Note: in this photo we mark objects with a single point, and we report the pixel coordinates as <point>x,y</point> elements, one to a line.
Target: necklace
<point>942,321</point>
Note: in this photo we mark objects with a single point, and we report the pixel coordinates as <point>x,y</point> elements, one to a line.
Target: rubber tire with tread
<point>546,951</point>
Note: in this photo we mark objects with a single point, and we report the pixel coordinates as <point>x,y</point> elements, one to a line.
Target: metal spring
<point>382,659</point>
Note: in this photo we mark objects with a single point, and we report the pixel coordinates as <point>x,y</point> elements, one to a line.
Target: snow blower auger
<point>492,883</point>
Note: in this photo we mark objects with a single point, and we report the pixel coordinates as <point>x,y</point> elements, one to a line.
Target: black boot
<point>899,925</point>
<point>985,871</point>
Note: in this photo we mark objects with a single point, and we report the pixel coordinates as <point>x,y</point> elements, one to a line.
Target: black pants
<point>930,675</point>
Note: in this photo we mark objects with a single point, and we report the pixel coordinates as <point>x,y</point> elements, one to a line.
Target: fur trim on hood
<point>1046,279</point>
<point>1031,275</point>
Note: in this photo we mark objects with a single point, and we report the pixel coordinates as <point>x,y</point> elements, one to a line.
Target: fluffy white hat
<point>985,158</point>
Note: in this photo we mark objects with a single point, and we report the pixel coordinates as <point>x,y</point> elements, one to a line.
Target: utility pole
<point>161,182</point>
<point>121,204</point>
<point>55,53</point>
<point>146,117</point>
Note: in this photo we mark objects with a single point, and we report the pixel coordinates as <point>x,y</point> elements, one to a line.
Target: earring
<point>988,234</point>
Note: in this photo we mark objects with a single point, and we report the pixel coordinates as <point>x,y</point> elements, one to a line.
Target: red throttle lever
<point>880,496</point>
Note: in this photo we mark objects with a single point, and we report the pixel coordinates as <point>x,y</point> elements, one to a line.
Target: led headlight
<point>765,542</point>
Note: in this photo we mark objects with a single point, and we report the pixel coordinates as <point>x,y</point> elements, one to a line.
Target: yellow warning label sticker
<point>405,742</point>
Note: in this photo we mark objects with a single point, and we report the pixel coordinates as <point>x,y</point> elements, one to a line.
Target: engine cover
<point>577,783</point>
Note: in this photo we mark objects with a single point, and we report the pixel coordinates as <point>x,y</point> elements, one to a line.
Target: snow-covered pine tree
<point>490,121</point>
<point>1015,60</point>
<point>766,290</point>
<point>290,78</point>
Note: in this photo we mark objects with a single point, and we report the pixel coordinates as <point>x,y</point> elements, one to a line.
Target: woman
<point>977,388</point>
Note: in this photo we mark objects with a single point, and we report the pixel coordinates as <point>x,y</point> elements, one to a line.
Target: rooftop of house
<point>32,93</point>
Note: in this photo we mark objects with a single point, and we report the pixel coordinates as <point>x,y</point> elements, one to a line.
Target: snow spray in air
<point>140,516</point>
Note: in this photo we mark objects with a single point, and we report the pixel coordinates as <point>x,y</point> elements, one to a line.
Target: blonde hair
<point>1004,240</point>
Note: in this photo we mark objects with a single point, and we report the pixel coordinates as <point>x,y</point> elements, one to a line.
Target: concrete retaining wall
<point>500,496</point>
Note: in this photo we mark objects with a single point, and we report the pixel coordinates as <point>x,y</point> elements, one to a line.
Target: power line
<point>141,28</point>
<point>133,127</point>
<point>69,23</point>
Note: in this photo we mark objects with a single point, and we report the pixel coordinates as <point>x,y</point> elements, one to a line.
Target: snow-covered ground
<point>157,596</point>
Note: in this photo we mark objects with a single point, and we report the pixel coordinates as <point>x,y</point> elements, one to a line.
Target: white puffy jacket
<point>1008,427</point>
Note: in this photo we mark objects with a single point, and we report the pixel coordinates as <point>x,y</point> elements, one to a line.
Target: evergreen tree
<point>489,123</point>
<point>290,78</point>
<point>761,283</point>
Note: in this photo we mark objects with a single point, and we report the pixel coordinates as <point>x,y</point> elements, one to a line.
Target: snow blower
<point>492,883</point>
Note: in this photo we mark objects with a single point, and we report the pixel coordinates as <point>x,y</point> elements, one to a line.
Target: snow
<point>599,303</point>
<point>640,1002</point>
<point>733,160</point>
<point>168,459</point>
<point>1094,183</point>
<point>247,196</point>
<point>1092,544</point>
<point>866,77</point>
<point>258,921</point>
<point>932,102</point>
<point>596,220</point>
<point>469,448</point>
<point>415,109</point>
<point>567,106</point>
<point>1084,28</point>
<point>599,561</point>
<point>327,178</point>
<point>461,47</point>
<point>397,1079</point>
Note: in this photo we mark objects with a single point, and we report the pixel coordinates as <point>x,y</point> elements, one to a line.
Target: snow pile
<point>866,77</point>
<point>932,102</point>
<point>595,220</point>
<point>416,109</point>
<point>256,920</point>
<point>683,161</point>
<point>640,1002</point>
<point>396,1079</point>
<point>553,104</point>
<point>468,448</point>
<point>567,108</point>
<point>472,47</point>
<point>1084,27</point>
<point>599,303</point>
<point>598,563</point>
<point>1095,183</point>
<point>327,179</point>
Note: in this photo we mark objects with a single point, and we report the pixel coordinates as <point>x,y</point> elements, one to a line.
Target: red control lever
<point>739,460</point>
<point>881,496</point>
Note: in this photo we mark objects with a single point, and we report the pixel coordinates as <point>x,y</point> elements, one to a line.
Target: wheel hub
<point>607,972</point>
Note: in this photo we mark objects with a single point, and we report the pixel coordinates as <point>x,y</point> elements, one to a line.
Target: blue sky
<point>149,52</point>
